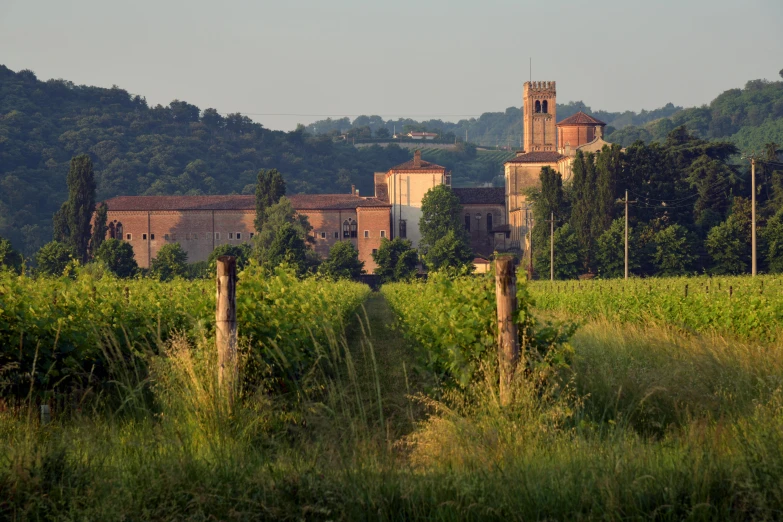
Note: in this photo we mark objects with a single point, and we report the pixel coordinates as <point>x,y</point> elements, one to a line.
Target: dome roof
<point>580,118</point>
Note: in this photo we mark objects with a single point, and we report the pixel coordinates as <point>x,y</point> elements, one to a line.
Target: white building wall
<point>406,190</point>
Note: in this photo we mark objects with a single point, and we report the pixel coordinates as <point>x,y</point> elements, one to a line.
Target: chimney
<point>417,158</point>
<point>353,190</point>
<point>357,193</point>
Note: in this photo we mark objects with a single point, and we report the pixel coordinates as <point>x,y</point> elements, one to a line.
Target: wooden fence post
<point>508,336</point>
<point>226,324</point>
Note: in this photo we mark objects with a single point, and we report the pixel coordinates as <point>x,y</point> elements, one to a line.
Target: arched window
<point>403,228</point>
<point>489,222</point>
<point>118,231</point>
<point>112,232</point>
<point>545,107</point>
<point>538,106</point>
<point>467,222</point>
<point>349,228</point>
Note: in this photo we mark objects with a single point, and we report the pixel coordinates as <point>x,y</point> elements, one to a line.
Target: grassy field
<point>634,421</point>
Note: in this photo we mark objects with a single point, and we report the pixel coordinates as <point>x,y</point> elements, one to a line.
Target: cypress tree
<point>72,222</point>
<point>550,200</point>
<point>607,165</point>
<point>584,207</point>
<point>270,187</point>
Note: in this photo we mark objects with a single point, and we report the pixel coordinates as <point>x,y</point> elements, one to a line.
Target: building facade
<point>202,223</point>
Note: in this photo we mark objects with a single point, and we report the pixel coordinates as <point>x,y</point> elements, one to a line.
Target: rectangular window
<point>251,235</point>
<point>152,237</point>
<point>323,235</point>
<point>383,233</point>
<point>366,233</point>
<point>129,237</point>
<point>217,236</point>
<point>336,235</point>
<point>467,222</point>
<point>144,236</point>
<point>374,251</point>
<point>239,235</point>
<point>231,235</point>
<point>403,229</point>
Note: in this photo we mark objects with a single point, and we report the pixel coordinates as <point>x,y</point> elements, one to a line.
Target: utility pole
<point>626,231</point>
<point>753,214</point>
<point>552,246</point>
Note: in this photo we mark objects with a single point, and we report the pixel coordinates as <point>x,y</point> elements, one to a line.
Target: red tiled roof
<point>333,202</point>
<point>481,196</point>
<point>423,165</point>
<point>580,118</point>
<point>149,203</point>
<point>237,202</point>
<point>536,157</point>
<point>480,261</point>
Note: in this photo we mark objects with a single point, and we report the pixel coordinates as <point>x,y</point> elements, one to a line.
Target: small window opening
<point>239,235</point>
<point>545,107</point>
<point>403,229</point>
<point>467,222</point>
<point>366,233</point>
<point>129,237</point>
<point>538,106</point>
<point>323,235</point>
<point>383,233</point>
<point>489,222</point>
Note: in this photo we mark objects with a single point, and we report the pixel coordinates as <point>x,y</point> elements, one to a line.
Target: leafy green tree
<point>610,250</point>
<point>99,228</point>
<point>9,258</point>
<point>396,260</point>
<point>343,261</point>
<point>54,257</point>
<point>117,256</point>
<point>277,216</point>
<point>287,247</point>
<point>170,262</point>
<point>773,234</point>
<point>383,132</point>
<point>241,252</point>
<point>450,251</point>
<point>441,217</point>
<point>72,222</point>
<point>546,201</point>
<point>566,253</point>
<point>673,253</point>
<point>270,187</point>
<point>726,248</point>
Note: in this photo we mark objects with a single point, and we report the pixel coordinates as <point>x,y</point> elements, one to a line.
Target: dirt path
<point>385,366</point>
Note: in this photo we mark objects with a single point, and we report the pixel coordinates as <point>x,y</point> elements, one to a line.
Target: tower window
<point>118,230</point>
<point>403,228</point>
<point>467,222</point>
<point>489,222</point>
<point>538,106</point>
<point>545,107</point>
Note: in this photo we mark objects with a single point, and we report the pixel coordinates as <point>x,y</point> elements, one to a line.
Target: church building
<point>546,144</point>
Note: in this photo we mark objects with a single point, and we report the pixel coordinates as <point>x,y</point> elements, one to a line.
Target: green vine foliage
<point>452,322</point>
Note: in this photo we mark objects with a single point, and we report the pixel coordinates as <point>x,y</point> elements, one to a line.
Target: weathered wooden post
<point>508,336</point>
<point>226,324</point>
<point>46,414</point>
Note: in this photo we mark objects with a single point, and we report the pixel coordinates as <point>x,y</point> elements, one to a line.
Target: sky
<point>285,62</point>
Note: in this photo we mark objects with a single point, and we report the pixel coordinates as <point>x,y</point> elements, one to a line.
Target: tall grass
<point>648,425</point>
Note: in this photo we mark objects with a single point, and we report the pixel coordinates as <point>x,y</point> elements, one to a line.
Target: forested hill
<point>490,129</point>
<point>138,149</point>
<point>749,117</point>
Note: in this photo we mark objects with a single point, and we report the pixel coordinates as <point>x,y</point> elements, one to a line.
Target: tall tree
<point>9,258</point>
<point>288,247</point>
<point>548,200</point>
<point>608,164</point>
<point>170,262</point>
<point>99,228</point>
<point>583,210</point>
<point>270,187</point>
<point>278,215</point>
<point>343,261</point>
<point>396,260</point>
<point>117,256</point>
<point>441,217</point>
<point>53,257</point>
<point>72,222</point>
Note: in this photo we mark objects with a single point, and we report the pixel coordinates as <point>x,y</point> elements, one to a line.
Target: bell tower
<point>538,119</point>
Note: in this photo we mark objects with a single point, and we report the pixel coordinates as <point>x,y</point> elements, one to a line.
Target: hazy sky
<point>422,59</point>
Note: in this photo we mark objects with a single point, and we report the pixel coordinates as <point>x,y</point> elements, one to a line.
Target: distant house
<point>422,135</point>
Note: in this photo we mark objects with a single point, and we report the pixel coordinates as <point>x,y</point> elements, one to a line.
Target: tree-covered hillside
<point>495,129</point>
<point>749,117</point>
<point>138,149</point>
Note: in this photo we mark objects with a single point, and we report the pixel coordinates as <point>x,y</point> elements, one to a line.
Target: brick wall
<point>198,231</point>
<point>374,224</point>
